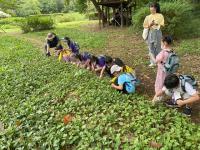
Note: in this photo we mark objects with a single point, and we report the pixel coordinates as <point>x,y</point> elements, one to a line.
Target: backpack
<point>101,60</point>
<point>75,47</point>
<point>85,56</point>
<point>134,80</point>
<point>172,63</point>
<point>189,79</point>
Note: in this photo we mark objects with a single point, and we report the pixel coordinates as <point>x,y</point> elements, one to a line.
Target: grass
<point>87,40</point>
<point>189,46</point>
<point>70,17</point>
<point>38,92</point>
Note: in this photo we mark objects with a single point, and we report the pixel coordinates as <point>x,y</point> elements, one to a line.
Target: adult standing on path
<point>152,24</point>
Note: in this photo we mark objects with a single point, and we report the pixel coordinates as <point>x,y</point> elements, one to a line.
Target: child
<point>160,60</point>
<point>109,63</point>
<point>65,55</point>
<point>183,94</point>
<point>125,68</point>
<point>125,82</point>
<point>75,59</point>
<point>86,60</point>
<point>118,61</point>
<point>82,60</point>
<point>72,45</point>
<point>106,68</point>
<point>99,64</point>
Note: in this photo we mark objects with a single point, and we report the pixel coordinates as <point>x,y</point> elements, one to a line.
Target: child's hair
<point>108,59</point>
<point>78,56</point>
<point>93,59</point>
<point>168,39</point>
<point>67,39</point>
<point>171,81</point>
<point>118,62</point>
<point>156,6</point>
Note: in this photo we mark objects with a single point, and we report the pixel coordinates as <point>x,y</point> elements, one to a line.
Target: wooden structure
<point>121,12</point>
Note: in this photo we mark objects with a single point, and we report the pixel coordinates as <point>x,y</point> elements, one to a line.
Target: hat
<point>50,36</point>
<point>115,68</point>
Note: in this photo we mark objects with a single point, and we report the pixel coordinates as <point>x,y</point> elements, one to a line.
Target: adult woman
<point>153,23</point>
<point>52,41</point>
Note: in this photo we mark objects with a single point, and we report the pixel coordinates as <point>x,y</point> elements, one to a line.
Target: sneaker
<point>157,100</point>
<point>152,65</point>
<point>171,104</point>
<point>187,111</point>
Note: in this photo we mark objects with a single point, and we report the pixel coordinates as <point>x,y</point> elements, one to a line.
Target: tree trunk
<point>96,6</point>
<point>100,11</point>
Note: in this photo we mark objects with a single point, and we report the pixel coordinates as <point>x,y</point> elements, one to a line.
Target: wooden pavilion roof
<point>113,3</point>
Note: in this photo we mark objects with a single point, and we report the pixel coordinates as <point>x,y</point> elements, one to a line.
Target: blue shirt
<point>128,82</point>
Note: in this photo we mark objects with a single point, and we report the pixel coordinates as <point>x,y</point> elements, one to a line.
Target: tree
<point>47,6</point>
<point>5,4</point>
<point>60,4</point>
<point>81,5</point>
<point>28,7</point>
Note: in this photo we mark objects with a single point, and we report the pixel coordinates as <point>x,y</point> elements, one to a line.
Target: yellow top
<point>64,53</point>
<point>158,19</point>
<point>128,69</point>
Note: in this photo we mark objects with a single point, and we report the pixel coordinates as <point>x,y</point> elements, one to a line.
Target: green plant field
<point>37,92</point>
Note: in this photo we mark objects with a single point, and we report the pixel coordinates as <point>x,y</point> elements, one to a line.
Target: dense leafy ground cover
<point>37,92</point>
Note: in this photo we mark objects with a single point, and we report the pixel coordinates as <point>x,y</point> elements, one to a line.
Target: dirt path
<point>132,49</point>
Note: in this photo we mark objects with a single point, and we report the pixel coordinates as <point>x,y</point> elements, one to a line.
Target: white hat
<point>115,68</point>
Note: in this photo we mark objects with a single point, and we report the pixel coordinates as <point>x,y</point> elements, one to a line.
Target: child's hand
<point>113,85</point>
<point>180,102</point>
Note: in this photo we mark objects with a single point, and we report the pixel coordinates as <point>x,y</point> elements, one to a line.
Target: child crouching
<point>183,90</point>
<point>125,82</point>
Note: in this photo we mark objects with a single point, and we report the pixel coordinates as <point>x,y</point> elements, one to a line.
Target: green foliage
<point>37,23</point>
<point>60,5</point>
<point>28,7</point>
<point>37,92</point>
<point>47,6</point>
<point>93,16</point>
<point>138,18</point>
<point>7,5</point>
<point>69,17</point>
<point>179,20</point>
<point>81,5</point>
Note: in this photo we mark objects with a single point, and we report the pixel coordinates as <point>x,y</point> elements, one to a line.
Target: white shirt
<point>178,93</point>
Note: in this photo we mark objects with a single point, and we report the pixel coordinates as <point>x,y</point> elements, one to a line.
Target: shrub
<point>178,18</point>
<point>37,23</point>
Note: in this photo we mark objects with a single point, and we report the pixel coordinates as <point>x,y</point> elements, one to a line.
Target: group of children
<point>123,77</point>
<point>182,89</point>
